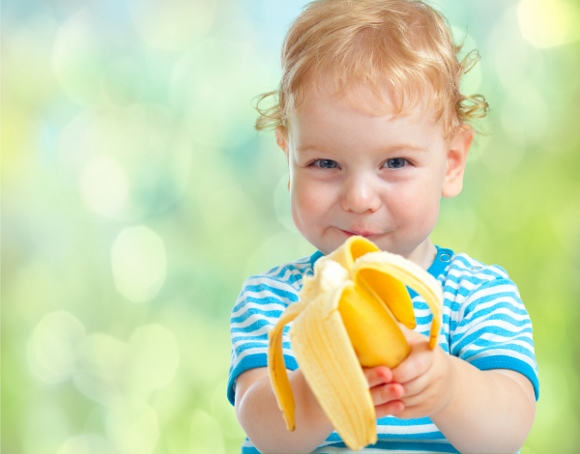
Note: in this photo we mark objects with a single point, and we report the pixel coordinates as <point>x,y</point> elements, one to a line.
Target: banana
<point>348,316</point>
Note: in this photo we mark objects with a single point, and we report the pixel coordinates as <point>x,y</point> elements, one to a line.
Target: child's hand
<point>420,386</point>
<point>386,394</point>
<point>426,376</point>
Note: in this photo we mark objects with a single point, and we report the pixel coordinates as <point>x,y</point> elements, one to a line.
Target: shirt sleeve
<point>495,331</point>
<point>259,306</point>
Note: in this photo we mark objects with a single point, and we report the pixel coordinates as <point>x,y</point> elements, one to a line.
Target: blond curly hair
<point>405,45</point>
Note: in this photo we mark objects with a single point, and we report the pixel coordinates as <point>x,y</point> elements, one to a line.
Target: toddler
<point>375,130</point>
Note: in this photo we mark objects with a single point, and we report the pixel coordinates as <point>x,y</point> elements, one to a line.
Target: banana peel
<point>348,316</point>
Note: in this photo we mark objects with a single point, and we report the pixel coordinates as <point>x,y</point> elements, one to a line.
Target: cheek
<point>418,204</point>
<point>309,201</point>
<point>302,201</point>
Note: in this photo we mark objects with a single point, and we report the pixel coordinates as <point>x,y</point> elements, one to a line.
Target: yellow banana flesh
<point>348,316</point>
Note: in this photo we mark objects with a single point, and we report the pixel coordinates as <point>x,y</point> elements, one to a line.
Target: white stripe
<point>268,290</point>
<point>257,332</point>
<point>502,352</point>
<point>332,449</point>
<point>485,305</point>
<point>389,429</point>
<point>271,282</point>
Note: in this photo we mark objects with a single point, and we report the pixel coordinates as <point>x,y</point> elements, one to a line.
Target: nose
<point>360,195</point>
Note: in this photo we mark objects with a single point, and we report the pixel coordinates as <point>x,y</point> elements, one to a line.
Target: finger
<point>416,386</point>
<point>395,407</point>
<point>412,336</point>
<point>386,393</point>
<point>408,412</point>
<point>422,393</point>
<point>415,365</point>
<point>378,375</point>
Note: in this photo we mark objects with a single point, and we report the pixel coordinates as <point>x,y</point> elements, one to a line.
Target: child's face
<point>380,176</point>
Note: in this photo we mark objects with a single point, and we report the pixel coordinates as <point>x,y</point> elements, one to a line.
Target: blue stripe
<point>512,298</point>
<point>253,327</point>
<point>515,306</point>
<point>473,275</point>
<point>289,273</point>
<point>393,421</point>
<point>249,450</point>
<point>261,300</point>
<point>514,328</point>
<point>418,436</point>
<point>474,338</point>
<point>514,310</point>
<point>251,312</point>
<point>424,320</point>
<point>401,446</point>
<point>250,344</point>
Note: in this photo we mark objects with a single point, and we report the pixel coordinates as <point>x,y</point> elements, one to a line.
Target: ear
<point>282,139</point>
<point>456,160</point>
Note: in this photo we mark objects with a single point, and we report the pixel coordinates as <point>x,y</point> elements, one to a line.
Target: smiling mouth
<point>362,233</point>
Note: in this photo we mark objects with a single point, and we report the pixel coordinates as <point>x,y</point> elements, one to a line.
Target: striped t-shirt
<point>484,323</point>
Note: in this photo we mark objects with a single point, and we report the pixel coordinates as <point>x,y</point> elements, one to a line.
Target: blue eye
<point>396,163</point>
<point>326,164</point>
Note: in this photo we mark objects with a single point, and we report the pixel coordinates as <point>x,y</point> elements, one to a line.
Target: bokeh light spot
<point>104,186</point>
<point>549,23</point>
<point>44,427</point>
<point>524,116</point>
<point>172,24</point>
<point>139,263</point>
<point>86,444</point>
<point>218,108</point>
<point>133,429</point>
<point>153,358</point>
<point>78,58</point>
<point>52,346</point>
<point>222,206</point>
<point>102,360</point>
<point>280,248</point>
<point>515,61</point>
<point>138,148</point>
<point>206,434</point>
<point>225,414</point>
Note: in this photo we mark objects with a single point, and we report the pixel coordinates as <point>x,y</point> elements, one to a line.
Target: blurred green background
<point>136,197</point>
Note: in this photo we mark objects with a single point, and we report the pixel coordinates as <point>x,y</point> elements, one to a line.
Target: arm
<point>478,411</point>
<point>489,411</point>
<point>261,419</point>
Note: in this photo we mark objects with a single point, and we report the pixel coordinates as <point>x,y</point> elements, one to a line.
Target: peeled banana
<point>348,316</point>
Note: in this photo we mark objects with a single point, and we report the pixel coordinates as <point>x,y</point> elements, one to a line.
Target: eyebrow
<point>388,149</point>
<point>405,146</point>
<point>311,149</point>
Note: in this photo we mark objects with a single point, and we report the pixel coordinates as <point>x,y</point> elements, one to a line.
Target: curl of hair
<point>475,106</point>
<point>269,117</point>
<point>404,45</point>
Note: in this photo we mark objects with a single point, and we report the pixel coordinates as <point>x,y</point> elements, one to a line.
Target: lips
<point>363,233</point>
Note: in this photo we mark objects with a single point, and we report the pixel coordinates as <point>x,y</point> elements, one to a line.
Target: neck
<point>424,254</point>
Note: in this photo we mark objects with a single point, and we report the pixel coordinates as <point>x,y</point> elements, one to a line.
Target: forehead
<point>358,120</point>
<point>321,100</point>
